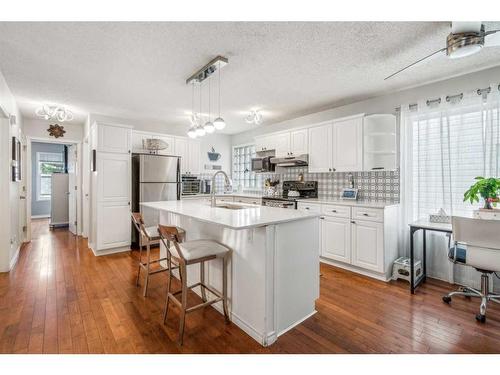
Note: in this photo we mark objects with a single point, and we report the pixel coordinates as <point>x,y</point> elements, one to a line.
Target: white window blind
<point>450,147</point>
<point>242,174</point>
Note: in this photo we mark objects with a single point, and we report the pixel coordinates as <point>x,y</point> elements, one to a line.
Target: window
<point>243,177</point>
<point>448,148</point>
<point>47,163</point>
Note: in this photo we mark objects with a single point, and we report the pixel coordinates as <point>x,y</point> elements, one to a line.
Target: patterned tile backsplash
<point>373,186</point>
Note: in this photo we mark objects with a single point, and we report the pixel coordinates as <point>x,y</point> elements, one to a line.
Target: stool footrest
<point>201,305</point>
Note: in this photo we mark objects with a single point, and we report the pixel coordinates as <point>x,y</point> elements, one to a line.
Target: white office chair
<point>477,244</point>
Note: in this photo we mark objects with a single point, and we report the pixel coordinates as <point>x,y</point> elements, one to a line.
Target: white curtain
<point>445,144</point>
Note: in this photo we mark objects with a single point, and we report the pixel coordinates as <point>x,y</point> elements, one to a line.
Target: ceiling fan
<point>465,39</point>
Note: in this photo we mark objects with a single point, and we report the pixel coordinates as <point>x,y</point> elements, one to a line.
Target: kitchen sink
<point>230,206</point>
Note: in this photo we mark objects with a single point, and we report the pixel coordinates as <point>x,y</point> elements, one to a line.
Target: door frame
<point>29,182</point>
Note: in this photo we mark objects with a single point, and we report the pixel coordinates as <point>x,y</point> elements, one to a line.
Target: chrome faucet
<point>213,202</point>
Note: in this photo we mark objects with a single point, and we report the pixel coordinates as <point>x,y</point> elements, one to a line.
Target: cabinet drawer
<point>316,208</point>
<point>225,199</point>
<point>371,214</point>
<point>336,211</point>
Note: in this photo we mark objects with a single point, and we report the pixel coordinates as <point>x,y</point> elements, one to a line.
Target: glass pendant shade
<point>209,127</point>
<point>200,132</point>
<point>191,132</point>
<point>219,123</point>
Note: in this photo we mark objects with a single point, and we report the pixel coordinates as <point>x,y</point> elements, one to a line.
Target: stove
<point>292,191</point>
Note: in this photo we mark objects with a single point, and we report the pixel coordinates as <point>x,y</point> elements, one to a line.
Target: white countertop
<point>253,216</point>
<point>345,202</point>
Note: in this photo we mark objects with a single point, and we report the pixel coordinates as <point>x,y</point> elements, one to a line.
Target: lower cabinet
<point>114,225</point>
<point>336,239</point>
<point>368,245</point>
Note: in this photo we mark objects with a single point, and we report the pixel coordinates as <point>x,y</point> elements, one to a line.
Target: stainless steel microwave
<point>261,165</point>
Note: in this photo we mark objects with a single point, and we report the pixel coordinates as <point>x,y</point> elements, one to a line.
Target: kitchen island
<point>274,267</point>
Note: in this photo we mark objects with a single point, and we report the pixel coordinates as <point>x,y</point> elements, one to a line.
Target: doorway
<point>53,185</point>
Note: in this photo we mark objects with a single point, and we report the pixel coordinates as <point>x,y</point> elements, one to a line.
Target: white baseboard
<point>348,267</point>
<point>14,259</point>
<point>110,251</point>
<point>297,323</point>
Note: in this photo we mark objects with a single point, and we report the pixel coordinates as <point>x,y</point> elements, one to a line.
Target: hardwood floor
<point>60,298</point>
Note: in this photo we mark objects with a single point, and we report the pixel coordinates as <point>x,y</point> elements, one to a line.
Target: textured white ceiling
<point>138,70</point>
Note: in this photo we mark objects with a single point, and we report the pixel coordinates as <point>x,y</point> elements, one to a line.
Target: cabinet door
<point>348,145</point>
<point>113,138</point>
<point>194,148</point>
<point>260,144</point>
<point>336,239</point>
<point>298,142</point>
<point>113,225</point>
<point>368,245</point>
<point>181,149</point>
<point>320,149</point>
<point>281,144</point>
<point>114,177</point>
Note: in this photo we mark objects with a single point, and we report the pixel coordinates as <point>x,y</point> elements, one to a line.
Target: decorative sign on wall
<point>56,130</point>
<point>213,156</point>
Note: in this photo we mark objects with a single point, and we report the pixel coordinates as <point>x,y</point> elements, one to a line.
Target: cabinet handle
<point>353,222</point>
<point>322,217</point>
<point>334,210</point>
<point>377,168</point>
<point>333,169</point>
<point>306,208</point>
<point>129,203</point>
<point>365,214</point>
<point>329,169</point>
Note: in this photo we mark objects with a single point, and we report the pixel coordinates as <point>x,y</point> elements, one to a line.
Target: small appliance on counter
<point>191,185</point>
<point>349,193</point>
<point>292,191</point>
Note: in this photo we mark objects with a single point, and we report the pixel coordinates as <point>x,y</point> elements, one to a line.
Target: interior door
<point>72,189</point>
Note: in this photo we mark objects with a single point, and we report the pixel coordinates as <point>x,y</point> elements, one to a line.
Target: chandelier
<point>199,127</point>
<point>54,112</point>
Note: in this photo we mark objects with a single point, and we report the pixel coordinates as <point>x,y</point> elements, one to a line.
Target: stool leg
<point>183,276</point>
<point>202,281</point>
<point>140,262</point>
<point>224,288</point>
<point>148,261</point>
<point>169,283</point>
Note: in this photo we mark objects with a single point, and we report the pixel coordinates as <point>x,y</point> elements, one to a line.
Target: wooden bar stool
<point>187,253</point>
<point>148,236</point>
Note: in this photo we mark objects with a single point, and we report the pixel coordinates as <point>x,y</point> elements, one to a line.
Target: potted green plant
<point>487,188</point>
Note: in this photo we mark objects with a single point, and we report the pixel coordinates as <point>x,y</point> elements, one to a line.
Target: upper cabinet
<point>281,142</point>
<point>380,148</point>
<point>113,138</point>
<point>299,142</point>
<point>320,148</point>
<point>347,144</point>
<point>138,137</point>
<point>264,143</point>
<point>190,152</point>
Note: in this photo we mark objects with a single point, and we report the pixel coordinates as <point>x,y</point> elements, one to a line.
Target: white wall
<point>37,128</point>
<point>10,230</point>
<point>381,104</point>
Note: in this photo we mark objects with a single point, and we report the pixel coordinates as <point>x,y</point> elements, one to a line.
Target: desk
<point>424,225</point>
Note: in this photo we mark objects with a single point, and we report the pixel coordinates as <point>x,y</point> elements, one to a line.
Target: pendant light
<point>209,126</point>
<point>194,117</point>
<point>219,122</point>
<point>200,131</point>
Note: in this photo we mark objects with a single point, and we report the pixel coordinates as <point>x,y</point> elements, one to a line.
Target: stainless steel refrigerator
<point>154,178</point>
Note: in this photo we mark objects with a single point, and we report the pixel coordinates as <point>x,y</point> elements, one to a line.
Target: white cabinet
<point>114,177</point>
<point>379,142</point>
<point>264,143</point>
<point>347,145</point>
<point>110,188</point>
<point>194,154</point>
<point>336,239</point>
<point>281,144</point>
<point>138,137</point>
<point>113,138</point>
<point>299,142</point>
<point>113,225</point>
<point>320,149</point>
<point>368,245</point>
<point>190,152</point>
